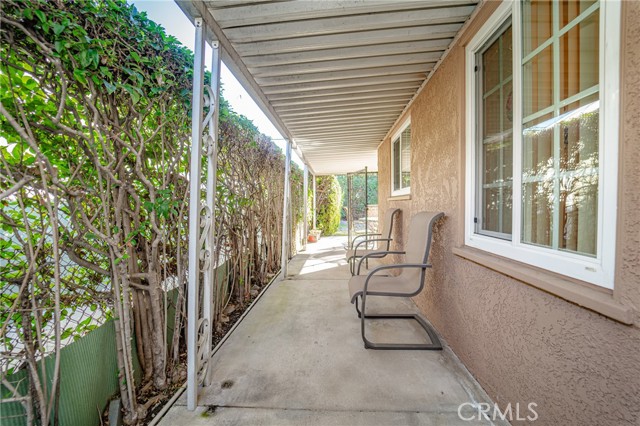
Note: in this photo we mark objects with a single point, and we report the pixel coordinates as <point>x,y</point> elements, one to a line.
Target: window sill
<point>574,291</point>
<point>399,197</point>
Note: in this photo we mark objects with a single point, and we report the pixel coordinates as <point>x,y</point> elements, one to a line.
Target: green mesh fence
<point>89,379</point>
<point>88,373</point>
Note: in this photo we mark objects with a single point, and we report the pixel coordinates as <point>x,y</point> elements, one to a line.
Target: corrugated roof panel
<point>333,75</point>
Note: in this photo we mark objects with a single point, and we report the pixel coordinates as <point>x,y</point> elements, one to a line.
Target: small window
<point>401,160</point>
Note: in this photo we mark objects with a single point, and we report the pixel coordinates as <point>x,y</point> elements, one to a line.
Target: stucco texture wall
<point>524,345</point>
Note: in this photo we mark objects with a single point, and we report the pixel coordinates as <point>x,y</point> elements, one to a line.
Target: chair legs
<point>357,310</point>
<point>352,264</point>
<point>433,337</point>
<point>353,261</point>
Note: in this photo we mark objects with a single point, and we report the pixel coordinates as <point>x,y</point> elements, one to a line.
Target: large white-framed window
<point>542,136</point>
<point>401,160</point>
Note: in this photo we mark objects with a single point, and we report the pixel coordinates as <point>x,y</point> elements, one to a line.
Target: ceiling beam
<point>351,115</point>
<point>348,52</point>
<point>347,103</point>
<point>294,113</point>
<point>339,142</point>
<point>295,11</point>
<point>346,131</point>
<point>391,94</point>
<point>347,82</point>
<point>339,75</point>
<point>342,153</point>
<point>347,24</point>
<point>348,64</point>
<point>363,38</point>
<point>345,90</point>
<point>360,117</point>
<point>374,134</point>
<point>345,127</point>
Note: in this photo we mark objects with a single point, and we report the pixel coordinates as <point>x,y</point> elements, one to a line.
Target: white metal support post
<point>305,191</point>
<point>195,244</point>
<point>210,148</point>
<point>285,211</point>
<point>315,224</point>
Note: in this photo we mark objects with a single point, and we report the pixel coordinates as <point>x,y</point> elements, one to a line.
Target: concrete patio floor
<point>297,358</point>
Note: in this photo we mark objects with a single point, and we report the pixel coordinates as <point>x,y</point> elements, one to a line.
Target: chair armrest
<point>361,236</point>
<point>384,267</point>
<point>385,252</point>
<point>369,241</point>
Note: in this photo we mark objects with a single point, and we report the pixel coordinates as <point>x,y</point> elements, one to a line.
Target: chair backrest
<point>387,227</point>
<point>419,243</point>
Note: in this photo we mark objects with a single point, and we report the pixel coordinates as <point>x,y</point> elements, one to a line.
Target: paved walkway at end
<point>297,358</point>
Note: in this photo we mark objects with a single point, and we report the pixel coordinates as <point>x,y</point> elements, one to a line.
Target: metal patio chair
<point>383,240</point>
<point>408,283</point>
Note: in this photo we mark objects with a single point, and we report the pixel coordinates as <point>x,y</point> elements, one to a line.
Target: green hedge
<point>328,204</point>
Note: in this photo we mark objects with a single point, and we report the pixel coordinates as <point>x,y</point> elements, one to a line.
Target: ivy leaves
<point>165,204</point>
<point>82,36</point>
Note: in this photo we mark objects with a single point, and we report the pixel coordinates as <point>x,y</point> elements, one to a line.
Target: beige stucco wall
<point>523,344</point>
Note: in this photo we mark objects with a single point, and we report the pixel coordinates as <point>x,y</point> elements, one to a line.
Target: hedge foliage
<point>328,204</point>
<point>95,116</point>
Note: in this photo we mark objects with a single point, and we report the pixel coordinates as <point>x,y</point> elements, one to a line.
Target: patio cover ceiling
<point>333,76</point>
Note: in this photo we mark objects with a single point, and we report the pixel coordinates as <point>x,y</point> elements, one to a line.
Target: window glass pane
<point>580,134</point>
<point>579,164</point>
<point>492,112</point>
<point>569,185</point>
<point>537,24</point>
<point>491,214</point>
<point>537,213</point>
<point>538,181</point>
<point>537,82</point>
<point>507,53</point>
<point>405,158</point>
<point>497,210</point>
<point>579,214</point>
<point>537,151</point>
<point>396,164</point>
<point>579,55</point>
<point>495,141</point>
<point>497,187</point>
<point>491,66</point>
<point>507,188</point>
<point>492,163</point>
<point>570,9</point>
<point>560,149</point>
<point>507,107</point>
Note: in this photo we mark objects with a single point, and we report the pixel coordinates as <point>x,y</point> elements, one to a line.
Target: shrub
<point>328,204</point>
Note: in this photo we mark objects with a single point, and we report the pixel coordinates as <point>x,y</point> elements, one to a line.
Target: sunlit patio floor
<point>297,358</point>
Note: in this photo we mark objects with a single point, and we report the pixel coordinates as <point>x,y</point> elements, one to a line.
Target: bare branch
<point>15,188</point>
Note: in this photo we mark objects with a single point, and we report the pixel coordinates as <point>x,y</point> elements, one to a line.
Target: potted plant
<point>314,235</point>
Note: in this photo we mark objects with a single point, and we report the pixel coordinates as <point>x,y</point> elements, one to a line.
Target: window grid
<point>503,183</point>
<point>598,270</point>
<point>555,110</point>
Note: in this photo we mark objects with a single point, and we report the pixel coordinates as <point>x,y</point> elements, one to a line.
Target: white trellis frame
<point>305,204</point>
<point>286,209</point>
<point>201,217</point>
<point>314,221</point>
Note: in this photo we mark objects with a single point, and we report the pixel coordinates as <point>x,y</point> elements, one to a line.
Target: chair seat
<point>381,285</point>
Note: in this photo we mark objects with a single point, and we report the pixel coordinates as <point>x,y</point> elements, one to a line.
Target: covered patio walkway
<point>297,358</point>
